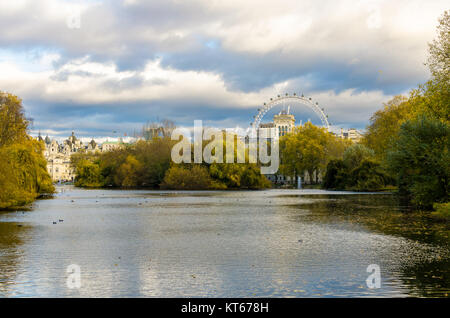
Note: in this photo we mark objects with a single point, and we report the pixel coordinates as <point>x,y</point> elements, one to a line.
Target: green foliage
<point>141,165</point>
<point>442,210</point>
<point>128,173</point>
<point>356,154</point>
<point>367,175</point>
<point>385,124</point>
<point>410,135</point>
<point>439,51</point>
<point>190,177</point>
<point>336,175</point>
<point>155,159</point>
<point>23,168</point>
<point>309,149</point>
<point>13,124</point>
<point>419,160</point>
<point>239,175</point>
<point>88,174</point>
<point>148,164</point>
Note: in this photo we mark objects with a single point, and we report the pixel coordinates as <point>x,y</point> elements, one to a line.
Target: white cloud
<point>350,55</point>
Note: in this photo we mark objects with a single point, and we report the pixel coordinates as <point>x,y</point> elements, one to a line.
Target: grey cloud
<point>131,35</point>
<point>64,75</point>
<point>334,54</point>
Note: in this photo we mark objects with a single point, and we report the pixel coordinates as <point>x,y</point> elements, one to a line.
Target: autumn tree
<point>308,149</point>
<point>13,124</point>
<point>385,124</point>
<point>188,177</point>
<point>23,168</point>
<point>439,51</point>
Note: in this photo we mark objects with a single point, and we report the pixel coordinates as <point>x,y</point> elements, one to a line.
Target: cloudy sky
<point>103,66</point>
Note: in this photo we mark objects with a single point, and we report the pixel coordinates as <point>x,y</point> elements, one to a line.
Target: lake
<point>272,243</point>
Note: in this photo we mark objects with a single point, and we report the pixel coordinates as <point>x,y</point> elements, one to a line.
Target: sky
<point>99,67</point>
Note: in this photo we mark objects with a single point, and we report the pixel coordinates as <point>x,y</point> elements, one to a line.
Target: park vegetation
<point>405,147</point>
<point>307,151</point>
<point>148,163</point>
<point>406,143</point>
<point>23,168</point>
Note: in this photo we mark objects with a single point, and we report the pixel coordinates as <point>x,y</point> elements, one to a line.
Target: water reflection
<point>425,268</point>
<point>221,244</point>
<point>11,234</point>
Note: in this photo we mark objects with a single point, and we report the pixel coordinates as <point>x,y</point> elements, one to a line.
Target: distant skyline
<point>102,66</point>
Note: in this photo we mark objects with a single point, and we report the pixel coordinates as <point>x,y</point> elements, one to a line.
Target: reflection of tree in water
<point>10,241</point>
<point>379,213</point>
<point>428,279</point>
<point>387,214</point>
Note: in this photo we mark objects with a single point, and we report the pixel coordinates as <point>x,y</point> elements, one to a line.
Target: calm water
<point>277,243</point>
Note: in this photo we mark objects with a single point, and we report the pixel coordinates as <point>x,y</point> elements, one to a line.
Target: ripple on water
<point>277,243</point>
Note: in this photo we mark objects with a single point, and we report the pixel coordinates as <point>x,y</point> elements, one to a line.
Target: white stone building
<point>352,134</point>
<point>58,156</point>
<point>284,122</point>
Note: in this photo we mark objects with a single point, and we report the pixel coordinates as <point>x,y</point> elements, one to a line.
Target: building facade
<point>351,134</point>
<point>284,122</point>
<point>58,155</point>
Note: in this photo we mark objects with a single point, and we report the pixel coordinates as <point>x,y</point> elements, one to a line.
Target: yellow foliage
<point>185,178</point>
<point>23,168</point>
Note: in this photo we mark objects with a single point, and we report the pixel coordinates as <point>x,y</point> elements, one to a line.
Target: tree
<point>155,159</point>
<point>384,125</point>
<point>419,160</point>
<point>23,168</point>
<point>336,175</point>
<point>88,175</point>
<point>309,149</point>
<point>355,154</point>
<point>367,176</point>
<point>239,175</point>
<point>439,51</point>
<point>192,177</point>
<point>128,172</point>
<point>13,124</point>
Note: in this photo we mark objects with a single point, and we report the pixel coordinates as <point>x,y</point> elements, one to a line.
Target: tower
<point>284,121</point>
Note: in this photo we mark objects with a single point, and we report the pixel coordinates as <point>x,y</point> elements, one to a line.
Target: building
<point>284,122</point>
<point>58,155</point>
<point>351,134</point>
<point>60,169</point>
<point>112,145</point>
